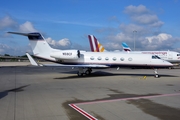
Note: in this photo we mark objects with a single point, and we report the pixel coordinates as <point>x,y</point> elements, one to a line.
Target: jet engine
<point>66,54</point>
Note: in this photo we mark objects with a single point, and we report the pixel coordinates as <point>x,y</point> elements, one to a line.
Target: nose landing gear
<point>156,73</point>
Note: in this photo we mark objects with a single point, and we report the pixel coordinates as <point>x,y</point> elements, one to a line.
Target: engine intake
<point>66,54</point>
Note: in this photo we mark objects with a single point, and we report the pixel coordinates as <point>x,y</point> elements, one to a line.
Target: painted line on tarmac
<point>132,98</point>
<point>78,109</point>
<point>90,117</point>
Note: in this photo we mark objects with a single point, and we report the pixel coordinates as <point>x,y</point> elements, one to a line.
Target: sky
<point>66,24</point>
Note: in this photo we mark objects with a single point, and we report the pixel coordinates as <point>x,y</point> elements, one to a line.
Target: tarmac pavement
<point>57,93</point>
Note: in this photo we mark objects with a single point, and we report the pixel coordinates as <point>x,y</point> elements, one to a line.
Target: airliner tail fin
<point>95,45</point>
<point>126,47</point>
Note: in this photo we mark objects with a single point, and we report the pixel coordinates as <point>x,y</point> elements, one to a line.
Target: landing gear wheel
<point>156,76</point>
<point>88,72</point>
<point>80,74</point>
<point>156,73</point>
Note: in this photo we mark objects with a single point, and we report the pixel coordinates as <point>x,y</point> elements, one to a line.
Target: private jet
<point>86,61</point>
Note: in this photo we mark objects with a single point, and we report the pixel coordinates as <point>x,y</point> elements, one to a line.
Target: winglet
<point>32,61</point>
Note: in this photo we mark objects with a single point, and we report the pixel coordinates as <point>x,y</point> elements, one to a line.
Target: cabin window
<point>92,58</point>
<point>114,58</point>
<point>106,58</point>
<point>122,59</point>
<point>130,59</point>
<point>178,54</point>
<point>99,58</point>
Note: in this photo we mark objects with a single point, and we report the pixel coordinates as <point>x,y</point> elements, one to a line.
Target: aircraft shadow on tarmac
<point>18,89</point>
<point>103,73</point>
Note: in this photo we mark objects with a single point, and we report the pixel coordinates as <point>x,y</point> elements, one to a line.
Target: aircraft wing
<point>62,65</point>
<point>34,63</point>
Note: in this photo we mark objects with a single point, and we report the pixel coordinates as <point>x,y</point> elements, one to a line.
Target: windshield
<point>155,57</point>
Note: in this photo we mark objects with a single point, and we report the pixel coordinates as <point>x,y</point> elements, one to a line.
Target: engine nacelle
<point>66,54</point>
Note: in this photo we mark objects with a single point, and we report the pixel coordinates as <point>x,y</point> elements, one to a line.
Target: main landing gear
<point>83,71</point>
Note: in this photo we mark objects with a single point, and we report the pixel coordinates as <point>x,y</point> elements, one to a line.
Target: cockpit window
<point>155,57</point>
<point>178,54</point>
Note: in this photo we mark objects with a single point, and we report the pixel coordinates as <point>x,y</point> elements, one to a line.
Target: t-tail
<point>126,47</point>
<point>39,45</point>
<point>95,45</point>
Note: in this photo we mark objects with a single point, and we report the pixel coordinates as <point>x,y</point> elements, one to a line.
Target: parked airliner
<point>85,61</point>
<point>170,56</point>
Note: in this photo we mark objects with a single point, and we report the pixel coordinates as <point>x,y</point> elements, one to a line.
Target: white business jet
<point>85,61</point>
<point>170,56</point>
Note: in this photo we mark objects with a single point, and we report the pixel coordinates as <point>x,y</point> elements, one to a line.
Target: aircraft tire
<point>88,72</point>
<point>156,76</point>
<point>80,74</point>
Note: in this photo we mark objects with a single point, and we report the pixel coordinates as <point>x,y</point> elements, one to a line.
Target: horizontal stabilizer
<point>24,34</point>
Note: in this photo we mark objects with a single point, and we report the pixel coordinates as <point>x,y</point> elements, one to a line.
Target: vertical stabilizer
<point>126,47</point>
<point>95,45</point>
<point>38,44</point>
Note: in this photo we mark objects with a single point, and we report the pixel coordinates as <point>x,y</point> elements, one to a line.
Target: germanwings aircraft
<point>85,61</point>
<point>170,56</point>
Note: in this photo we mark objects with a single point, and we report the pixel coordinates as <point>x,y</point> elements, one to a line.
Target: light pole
<point>134,31</point>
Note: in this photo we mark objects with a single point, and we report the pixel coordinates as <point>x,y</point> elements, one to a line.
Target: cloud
<point>62,44</point>
<point>51,41</point>
<point>128,29</point>
<point>27,27</point>
<point>112,46</point>
<point>128,35</point>
<point>141,15</point>
<point>3,48</point>
<point>162,41</point>
<point>7,22</point>
<point>160,38</point>
<point>147,37</point>
<point>148,19</point>
<point>120,37</point>
<point>141,9</point>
